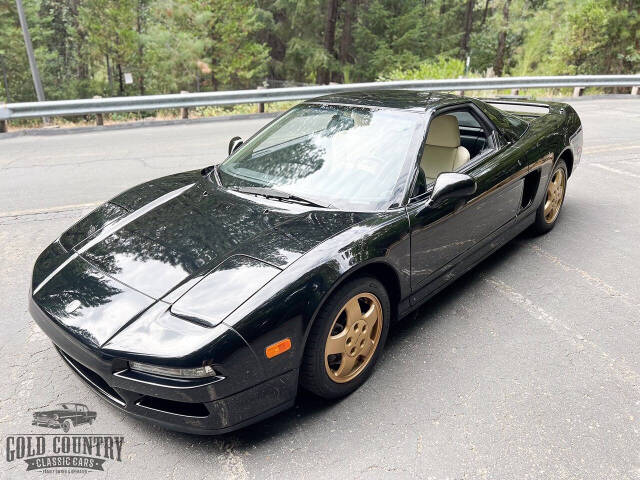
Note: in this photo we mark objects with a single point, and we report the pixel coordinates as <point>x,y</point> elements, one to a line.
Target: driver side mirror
<point>451,185</point>
<point>234,144</point>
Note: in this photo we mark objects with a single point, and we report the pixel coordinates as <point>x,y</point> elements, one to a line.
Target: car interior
<point>443,151</point>
<point>454,139</point>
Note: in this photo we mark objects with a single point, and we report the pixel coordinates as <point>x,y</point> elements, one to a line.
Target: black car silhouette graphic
<point>65,416</point>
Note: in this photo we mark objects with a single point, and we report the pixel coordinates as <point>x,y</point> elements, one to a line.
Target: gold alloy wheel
<point>353,337</point>
<point>555,195</point>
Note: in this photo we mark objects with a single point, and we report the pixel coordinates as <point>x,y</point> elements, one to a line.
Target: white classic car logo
<point>73,306</point>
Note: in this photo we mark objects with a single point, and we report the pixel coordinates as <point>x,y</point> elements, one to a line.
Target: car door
<point>443,235</point>
<point>73,414</point>
<point>82,414</point>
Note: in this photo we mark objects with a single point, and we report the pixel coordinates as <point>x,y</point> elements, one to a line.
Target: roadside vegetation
<point>140,47</point>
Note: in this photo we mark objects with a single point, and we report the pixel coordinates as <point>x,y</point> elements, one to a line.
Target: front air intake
<point>176,408</point>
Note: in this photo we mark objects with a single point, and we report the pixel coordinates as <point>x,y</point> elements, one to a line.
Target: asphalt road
<point>527,367</point>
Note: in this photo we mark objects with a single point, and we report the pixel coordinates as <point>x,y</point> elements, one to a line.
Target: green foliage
<point>399,35</point>
<point>203,46</point>
<point>591,37</point>
<point>441,68</point>
<point>84,47</point>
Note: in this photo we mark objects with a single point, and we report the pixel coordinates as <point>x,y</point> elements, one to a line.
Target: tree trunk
<point>484,13</point>
<point>139,26</point>
<point>214,79</point>
<point>468,25</point>
<point>109,76</point>
<point>324,75</point>
<point>277,46</point>
<point>346,42</point>
<point>120,79</point>
<point>214,61</point>
<point>498,65</point>
<point>4,80</point>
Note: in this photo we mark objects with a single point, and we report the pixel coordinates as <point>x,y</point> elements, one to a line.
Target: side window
<point>454,138</point>
<point>473,136</point>
<point>466,120</point>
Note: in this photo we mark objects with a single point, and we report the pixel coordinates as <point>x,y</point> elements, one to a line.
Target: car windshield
<point>65,406</point>
<point>344,156</point>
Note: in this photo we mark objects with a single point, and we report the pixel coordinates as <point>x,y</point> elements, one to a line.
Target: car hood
<point>118,261</point>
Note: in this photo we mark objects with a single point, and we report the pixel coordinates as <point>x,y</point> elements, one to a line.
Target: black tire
<point>541,224</point>
<point>314,376</point>
<point>66,426</point>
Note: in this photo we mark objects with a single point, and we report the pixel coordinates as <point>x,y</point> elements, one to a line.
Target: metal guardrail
<point>14,111</point>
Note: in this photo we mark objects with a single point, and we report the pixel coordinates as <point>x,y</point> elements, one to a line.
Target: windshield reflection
<point>347,156</point>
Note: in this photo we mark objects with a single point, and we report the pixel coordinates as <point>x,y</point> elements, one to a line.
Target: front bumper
<point>46,423</point>
<point>209,407</point>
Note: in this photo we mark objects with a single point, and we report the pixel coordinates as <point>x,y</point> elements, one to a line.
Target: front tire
<point>346,339</point>
<point>549,210</point>
<point>66,426</point>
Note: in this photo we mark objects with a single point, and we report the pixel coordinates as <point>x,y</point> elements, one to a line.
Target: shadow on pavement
<point>308,405</point>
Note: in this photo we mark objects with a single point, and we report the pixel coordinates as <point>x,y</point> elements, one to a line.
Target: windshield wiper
<point>280,195</point>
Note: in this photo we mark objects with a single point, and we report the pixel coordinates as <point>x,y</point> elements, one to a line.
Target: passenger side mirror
<point>234,144</point>
<point>451,185</point>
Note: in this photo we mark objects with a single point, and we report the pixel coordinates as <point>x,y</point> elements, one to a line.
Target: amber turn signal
<point>278,348</point>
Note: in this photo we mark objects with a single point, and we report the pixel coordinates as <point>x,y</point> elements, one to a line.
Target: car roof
<point>396,99</point>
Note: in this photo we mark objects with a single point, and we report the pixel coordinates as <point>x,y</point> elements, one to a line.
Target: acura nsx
<point>203,300</point>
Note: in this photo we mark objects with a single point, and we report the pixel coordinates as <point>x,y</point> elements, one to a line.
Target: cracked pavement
<point>527,367</point>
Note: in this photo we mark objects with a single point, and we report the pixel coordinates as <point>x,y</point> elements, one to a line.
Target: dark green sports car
<point>202,300</point>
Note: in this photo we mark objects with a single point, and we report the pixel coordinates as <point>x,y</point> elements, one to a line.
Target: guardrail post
<point>578,91</point>
<point>260,105</point>
<point>99,118</point>
<point>515,91</point>
<point>184,111</point>
<point>460,92</point>
<point>3,126</point>
<point>635,90</point>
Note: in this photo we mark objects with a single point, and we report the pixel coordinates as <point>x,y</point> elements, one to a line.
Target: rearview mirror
<point>234,144</point>
<point>451,185</point>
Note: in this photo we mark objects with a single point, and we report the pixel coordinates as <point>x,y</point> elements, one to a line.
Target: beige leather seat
<point>443,152</point>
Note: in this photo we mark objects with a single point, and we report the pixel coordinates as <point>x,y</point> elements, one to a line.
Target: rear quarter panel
<point>548,137</point>
<point>552,135</point>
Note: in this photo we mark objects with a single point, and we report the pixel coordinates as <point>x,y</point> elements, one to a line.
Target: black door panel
<point>440,235</point>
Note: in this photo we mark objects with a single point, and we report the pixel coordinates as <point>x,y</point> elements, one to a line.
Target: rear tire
<point>346,339</point>
<point>549,210</point>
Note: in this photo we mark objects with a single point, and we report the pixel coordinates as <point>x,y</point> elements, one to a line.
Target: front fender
<point>287,306</point>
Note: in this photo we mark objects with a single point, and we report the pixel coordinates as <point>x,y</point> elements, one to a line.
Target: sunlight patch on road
<point>615,170</point>
<point>618,366</point>
<point>609,148</point>
<point>588,277</point>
